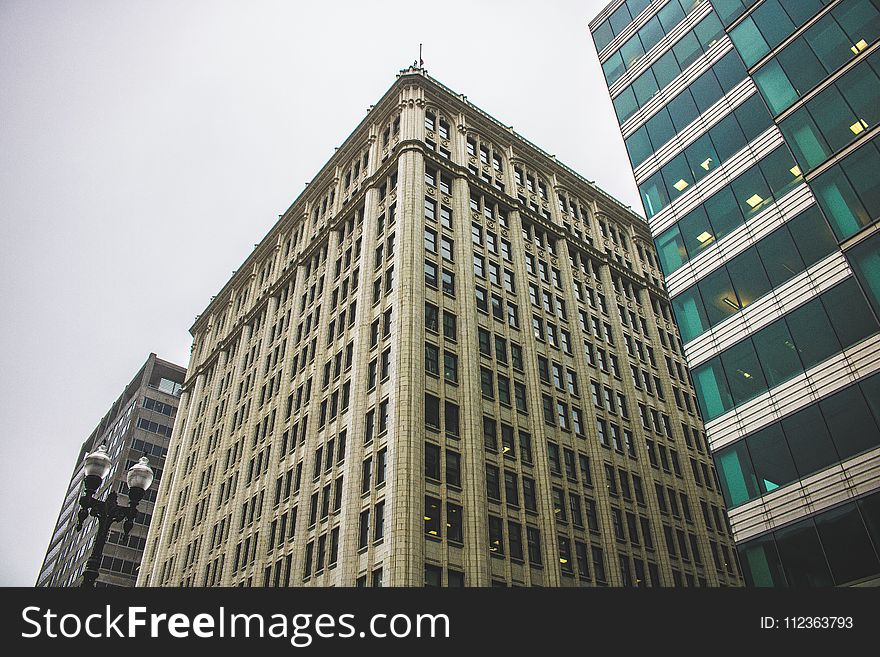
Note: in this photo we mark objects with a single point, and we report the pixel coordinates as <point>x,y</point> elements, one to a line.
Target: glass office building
<point>751,129</point>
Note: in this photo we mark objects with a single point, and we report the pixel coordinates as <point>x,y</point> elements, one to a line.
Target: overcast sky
<point>145,147</point>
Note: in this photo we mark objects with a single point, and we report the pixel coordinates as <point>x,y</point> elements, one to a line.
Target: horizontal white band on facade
<point>637,24</point>
<point>829,376</point>
<point>695,129</point>
<point>660,48</point>
<point>683,80</point>
<point>741,238</point>
<point>738,163</point>
<point>807,285</point>
<point>841,482</point>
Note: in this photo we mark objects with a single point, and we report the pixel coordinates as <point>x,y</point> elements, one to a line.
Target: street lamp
<point>139,478</point>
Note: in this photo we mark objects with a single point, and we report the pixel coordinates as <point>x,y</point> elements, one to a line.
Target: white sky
<point>145,147</point>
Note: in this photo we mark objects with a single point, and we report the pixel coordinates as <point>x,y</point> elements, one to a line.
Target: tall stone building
<point>451,363</point>
<point>138,424</point>
<point>752,131</point>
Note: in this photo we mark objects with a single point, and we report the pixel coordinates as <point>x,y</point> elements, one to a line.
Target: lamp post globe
<point>139,479</point>
<point>96,466</point>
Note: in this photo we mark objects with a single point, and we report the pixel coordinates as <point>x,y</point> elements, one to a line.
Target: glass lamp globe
<point>140,475</point>
<point>97,464</point>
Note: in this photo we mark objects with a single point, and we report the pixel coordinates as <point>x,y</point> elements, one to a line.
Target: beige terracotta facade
<point>334,332</point>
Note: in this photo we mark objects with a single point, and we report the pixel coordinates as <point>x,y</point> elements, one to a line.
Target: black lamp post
<point>107,511</point>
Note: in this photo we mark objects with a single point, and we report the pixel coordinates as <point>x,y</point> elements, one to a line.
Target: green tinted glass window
<point>850,314</point>
<point>683,110</point>
<point>645,88</point>
<point>870,508</point>
<point>738,481</point>
<point>696,231</point>
<point>620,19</point>
<point>861,88</point>
<point>678,176</point>
<point>631,51</point>
<point>829,42</point>
<point>777,352</point>
<point>671,251</point>
<point>809,442</point>
<point>805,140</point>
<point>625,105</point>
<point>846,544</point>
<point>860,19</point>
<point>775,23</point>
<point>864,258</point>
<point>690,314</point>
<point>602,36</point>
<point>780,172</point>
<point>834,118</point>
<point>801,554</point>
<point>713,395</point>
<point>812,333</point>
<point>749,278</point>
<point>636,7</point>
<point>653,193</point>
<point>812,235</point>
<point>638,146</point>
<point>771,457</point>
<point>728,137</point>
<point>686,50</point>
<point>774,86</point>
<point>744,374</point>
<point>660,129</point>
<point>839,202</point>
<point>801,65</point>
<point>701,157</point>
<point>801,11</point>
<point>760,563</point>
<point>850,422</point>
<point>665,69</point>
<point>613,68</point>
<point>749,41</point>
<point>780,256</point>
<point>719,298</point>
<point>861,169</point>
<point>706,91</point>
<point>729,70</point>
<point>670,15</point>
<point>708,31</point>
<point>651,33</point>
<point>753,117</point>
<point>751,192</point>
<point>723,211</point>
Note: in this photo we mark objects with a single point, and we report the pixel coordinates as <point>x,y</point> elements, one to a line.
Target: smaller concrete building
<point>138,424</point>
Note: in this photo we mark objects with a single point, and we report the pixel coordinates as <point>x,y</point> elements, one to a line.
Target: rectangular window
<point>453,468</point>
<point>493,485</point>
<point>432,412</point>
<point>533,536</point>
<point>454,525</point>
<point>450,367</point>
<point>450,329</point>
<point>364,529</point>
<point>432,461</point>
<point>431,317</point>
<point>432,356</point>
<point>432,516</point>
<point>514,538</point>
<point>496,536</point>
